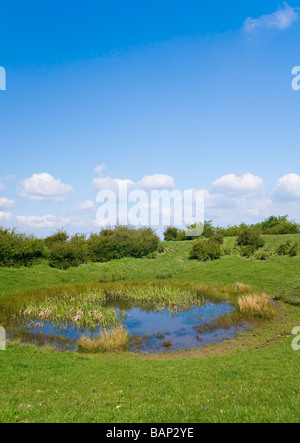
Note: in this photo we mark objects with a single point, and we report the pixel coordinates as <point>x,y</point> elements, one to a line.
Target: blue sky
<point>196,94</point>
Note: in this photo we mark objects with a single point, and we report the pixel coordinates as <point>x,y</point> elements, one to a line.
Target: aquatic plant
<point>160,336</point>
<point>83,311</point>
<point>173,299</point>
<point>257,305</point>
<point>115,340</point>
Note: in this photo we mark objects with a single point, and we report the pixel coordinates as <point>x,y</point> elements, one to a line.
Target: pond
<point>151,330</point>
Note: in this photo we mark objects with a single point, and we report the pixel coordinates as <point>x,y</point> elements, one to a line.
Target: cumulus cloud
<point>99,170</point>
<point>44,187</point>
<point>157,181</point>
<point>6,203</point>
<point>5,215</point>
<point>235,198</point>
<point>288,187</point>
<point>232,183</point>
<point>281,19</point>
<point>41,222</point>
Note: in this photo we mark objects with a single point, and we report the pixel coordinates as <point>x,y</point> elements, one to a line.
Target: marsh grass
<point>97,307</point>
<point>260,306</point>
<point>83,311</point>
<point>115,340</point>
<point>249,309</point>
<point>172,298</point>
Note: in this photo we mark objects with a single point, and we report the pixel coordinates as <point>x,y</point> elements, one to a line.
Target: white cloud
<point>44,187</point>
<point>157,181</point>
<point>113,184</point>
<point>149,182</point>
<point>45,221</point>
<point>99,170</point>
<point>2,186</point>
<point>234,184</point>
<point>5,215</point>
<point>288,187</point>
<point>281,19</point>
<point>5,203</point>
<point>86,206</point>
<point>234,199</point>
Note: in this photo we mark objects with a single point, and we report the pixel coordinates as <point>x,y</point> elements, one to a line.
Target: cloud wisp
<point>6,203</point>
<point>282,19</point>
<point>156,181</point>
<point>5,216</point>
<point>42,222</point>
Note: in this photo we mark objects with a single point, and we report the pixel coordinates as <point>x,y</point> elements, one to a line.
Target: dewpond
<point>151,330</point>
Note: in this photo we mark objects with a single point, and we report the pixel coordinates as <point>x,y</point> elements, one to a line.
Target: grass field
<point>254,378</point>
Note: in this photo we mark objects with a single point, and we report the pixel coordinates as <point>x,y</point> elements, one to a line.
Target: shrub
<point>248,251</point>
<point>174,234</point>
<point>205,250</point>
<point>273,225</point>
<point>208,229</point>
<point>122,242</point>
<point>218,237</point>
<point>171,234</point>
<point>293,252</point>
<point>249,237</point>
<point>63,255</point>
<point>59,237</point>
<point>18,249</point>
<point>288,248</point>
<point>280,225</point>
<point>182,236</point>
<point>263,255</point>
<point>249,241</point>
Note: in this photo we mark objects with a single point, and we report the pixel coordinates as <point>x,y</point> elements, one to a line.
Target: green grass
<point>254,386</point>
<point>254,378</point>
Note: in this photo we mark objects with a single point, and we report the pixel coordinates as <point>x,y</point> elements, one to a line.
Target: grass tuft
<point>258,305</point>
<point>116,340</point>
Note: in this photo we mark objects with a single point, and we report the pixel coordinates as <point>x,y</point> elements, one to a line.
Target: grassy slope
<point>239,381</point>
<point>279,274</point>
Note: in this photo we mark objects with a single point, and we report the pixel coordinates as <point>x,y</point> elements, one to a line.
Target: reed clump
<point>257,305</point>
<point>115,340</point>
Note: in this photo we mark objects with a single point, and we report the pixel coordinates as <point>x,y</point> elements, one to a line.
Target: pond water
<point>151,331</point>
